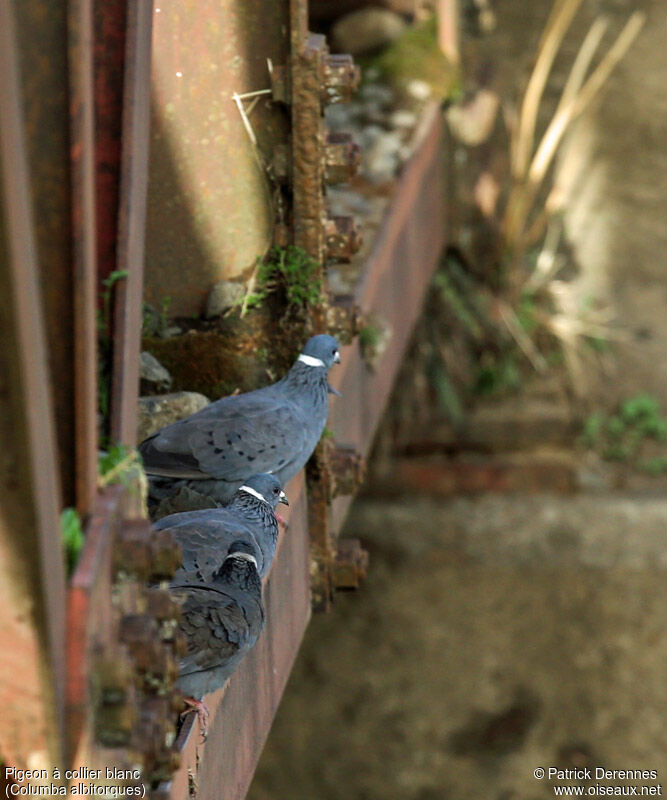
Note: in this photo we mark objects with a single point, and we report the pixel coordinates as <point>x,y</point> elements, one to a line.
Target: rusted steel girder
<point>32,655</point>
<point>242,712</point>
<point>84,239</point>
<point>132,173</point>
<point>392,284</point>
<point>391,289</point>
<point>122,644</point>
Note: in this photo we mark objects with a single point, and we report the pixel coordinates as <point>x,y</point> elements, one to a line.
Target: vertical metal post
<point>31,565</point>
<point>84,239</point>
<point>132,220</point>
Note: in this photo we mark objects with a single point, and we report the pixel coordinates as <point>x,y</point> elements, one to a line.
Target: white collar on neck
<point>244,556</point>
<point>253,492</point>
<point>312,362</point>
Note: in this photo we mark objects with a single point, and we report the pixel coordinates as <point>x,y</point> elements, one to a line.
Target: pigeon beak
<point>283,499</point>
<point>331,390</point>
<point>337,357</point>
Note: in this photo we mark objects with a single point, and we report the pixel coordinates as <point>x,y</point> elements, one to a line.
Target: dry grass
<point>524,222</point>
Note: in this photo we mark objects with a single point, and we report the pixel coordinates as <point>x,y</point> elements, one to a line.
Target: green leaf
<point>72,537</point>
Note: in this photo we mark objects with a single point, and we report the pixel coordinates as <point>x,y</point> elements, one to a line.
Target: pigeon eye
<point>333,352</point>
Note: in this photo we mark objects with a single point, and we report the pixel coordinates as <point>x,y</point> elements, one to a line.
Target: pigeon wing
<point>262,435</point>
<point>215,628</point>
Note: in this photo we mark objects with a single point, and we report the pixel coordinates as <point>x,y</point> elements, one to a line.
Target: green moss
<point>621,436</point>
<point>416,55</point>
<point>71,533</point>
<point>369,336</point>
<point>290,274</point>
<point>498,375</point>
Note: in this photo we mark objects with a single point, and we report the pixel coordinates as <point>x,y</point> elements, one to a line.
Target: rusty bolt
<point>132,551</point>
<point>114,724</point>
<point>342,157</point>
<point>342,238</point>
<point>348,468</point>
<point>341,79</point>
<point>350,564</point>
<point>166,555</point>
<point>161,605</point>
<point>113,679</point>
<point>144,553</point>
<point>344,318</point>
<point>153,660</point>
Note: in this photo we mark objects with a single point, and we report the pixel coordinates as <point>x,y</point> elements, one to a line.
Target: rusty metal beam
<point>32,669</point>
<point>132,220</point>
<point>391,289</point>
<point>41,37</point>
<point>82,154</point>
<point>392,285</point>
<point>242,712</point>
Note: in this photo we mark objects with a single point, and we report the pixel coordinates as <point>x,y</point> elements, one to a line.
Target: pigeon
<point>273,429</point>
<point>204,535</point>
<point>220,620</point>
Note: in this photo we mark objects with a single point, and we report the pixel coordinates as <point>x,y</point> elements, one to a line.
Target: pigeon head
<point>322,349</point>
<point>265,487</point>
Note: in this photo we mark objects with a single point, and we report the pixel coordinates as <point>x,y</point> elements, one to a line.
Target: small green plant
<point>369,336</point>
<point>457,302</point>
<point>527,312</point>
<point>498,375</point>
<point>71,534</point>
<point>287,271</point>
<point>620,436</point>
<point>104,328</point>
<point>654,466</point>
<point>118,464</point>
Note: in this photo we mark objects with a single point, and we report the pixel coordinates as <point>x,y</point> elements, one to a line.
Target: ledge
<point>390,289</point>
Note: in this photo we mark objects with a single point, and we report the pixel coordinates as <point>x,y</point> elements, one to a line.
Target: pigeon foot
<point>281,521</point>
<point>202,714</point>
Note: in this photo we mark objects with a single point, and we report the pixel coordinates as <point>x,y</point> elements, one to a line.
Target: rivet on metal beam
<point>348,468</point>
<point>341,79</point>
<point>344,318</point>
<point>342,238</point>
<point>342,157</point>
<point>350,565</point>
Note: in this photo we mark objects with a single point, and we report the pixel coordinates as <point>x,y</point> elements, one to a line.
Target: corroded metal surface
<point>41,34</point>
<point>32,668</point>
<point>308,144</point>
<point>84,236</point>
<point>209,207</point>
<point>391,288</point>
<point>242,712</point>
<point>122,647</point>
<point>393,282</point>
<point>133,180</point>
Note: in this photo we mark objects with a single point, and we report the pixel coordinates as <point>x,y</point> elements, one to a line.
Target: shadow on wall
<point>210,210</point>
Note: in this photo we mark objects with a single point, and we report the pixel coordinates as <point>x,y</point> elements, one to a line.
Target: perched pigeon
<point>273,429</point>
<point>221,621</point>
<point>205,535</point>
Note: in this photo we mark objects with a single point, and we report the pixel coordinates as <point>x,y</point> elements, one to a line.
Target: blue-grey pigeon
<point>205,535</point>
<point>221,621</point>
<point>273,429</point>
